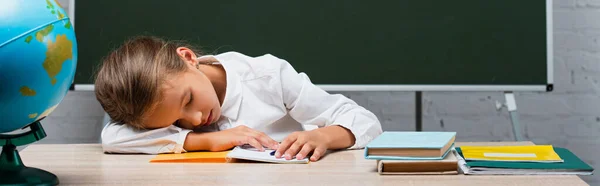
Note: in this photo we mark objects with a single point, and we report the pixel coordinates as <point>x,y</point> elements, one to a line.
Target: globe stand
<point>12,169</point>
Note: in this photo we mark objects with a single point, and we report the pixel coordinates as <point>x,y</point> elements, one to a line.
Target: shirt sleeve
<point>311,105</point>
<point>118,138</point>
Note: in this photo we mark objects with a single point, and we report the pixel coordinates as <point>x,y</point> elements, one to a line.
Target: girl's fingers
<point>264,139</point>
<point>318,153</point>
<point>306,149</point>
<point>285,144</point>
<point>252,141</point>
<point>294,148</point>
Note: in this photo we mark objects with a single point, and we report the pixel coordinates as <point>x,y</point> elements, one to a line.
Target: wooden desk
<point>86,164</point>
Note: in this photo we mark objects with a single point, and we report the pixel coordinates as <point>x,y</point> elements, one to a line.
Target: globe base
<point>13,172</point>
<point>12,169</point>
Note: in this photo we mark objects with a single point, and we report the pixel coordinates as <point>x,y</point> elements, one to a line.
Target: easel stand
<point>419,110</point>
<point>510,104</point>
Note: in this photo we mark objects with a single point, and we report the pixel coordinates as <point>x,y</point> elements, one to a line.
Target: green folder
<point>571,165</point>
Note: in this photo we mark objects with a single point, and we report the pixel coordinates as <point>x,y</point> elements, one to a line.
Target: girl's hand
<point>300,144</point>
<point>240,135</point>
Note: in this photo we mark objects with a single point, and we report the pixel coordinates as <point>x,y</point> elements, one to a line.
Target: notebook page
<point>250,153</point>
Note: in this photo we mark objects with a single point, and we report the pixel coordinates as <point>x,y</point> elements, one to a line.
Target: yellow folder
<point>238,154</point>
<point>532,153</point>
<point>193,157</point>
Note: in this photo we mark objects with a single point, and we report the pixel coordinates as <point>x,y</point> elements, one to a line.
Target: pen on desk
<point>275,150</point>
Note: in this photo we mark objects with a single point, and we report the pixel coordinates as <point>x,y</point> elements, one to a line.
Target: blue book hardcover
<point>396,145</point>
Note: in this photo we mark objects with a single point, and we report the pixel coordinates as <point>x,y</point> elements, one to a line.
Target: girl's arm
<point>337,137</point>
<point>117,138</point>
<point>172,139</point>
<point>311,105</point>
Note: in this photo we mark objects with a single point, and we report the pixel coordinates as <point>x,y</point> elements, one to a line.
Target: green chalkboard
<point>350,42</point>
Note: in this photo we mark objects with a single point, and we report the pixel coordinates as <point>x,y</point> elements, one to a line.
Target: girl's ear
<point>187,55</point>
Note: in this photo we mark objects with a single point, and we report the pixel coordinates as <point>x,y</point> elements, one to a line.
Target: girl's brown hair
<point>128,84</point>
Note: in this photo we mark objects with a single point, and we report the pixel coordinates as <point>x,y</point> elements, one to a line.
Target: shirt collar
<point>233,93</point>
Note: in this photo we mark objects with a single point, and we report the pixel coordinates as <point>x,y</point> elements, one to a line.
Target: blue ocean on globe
<point>38,57</point>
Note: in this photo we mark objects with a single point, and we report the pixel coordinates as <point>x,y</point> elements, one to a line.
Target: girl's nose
<point>195,118</point>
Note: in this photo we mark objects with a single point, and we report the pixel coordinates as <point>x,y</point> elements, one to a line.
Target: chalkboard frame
<point>397,87</point>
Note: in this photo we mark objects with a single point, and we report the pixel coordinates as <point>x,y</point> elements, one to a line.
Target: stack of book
<point>522,160</point>
<point>413,153</point>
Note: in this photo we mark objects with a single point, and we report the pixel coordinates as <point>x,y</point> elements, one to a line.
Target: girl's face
<point>189,100</point>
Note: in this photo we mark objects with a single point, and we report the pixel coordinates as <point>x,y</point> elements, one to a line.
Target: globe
<point>38,57</point>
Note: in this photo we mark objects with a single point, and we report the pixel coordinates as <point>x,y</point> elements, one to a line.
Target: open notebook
<point>238,153</point>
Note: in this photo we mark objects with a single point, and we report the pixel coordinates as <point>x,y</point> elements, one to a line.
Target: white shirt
<point>264,93</point>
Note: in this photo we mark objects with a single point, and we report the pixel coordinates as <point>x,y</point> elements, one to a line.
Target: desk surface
<point>82,164</point>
